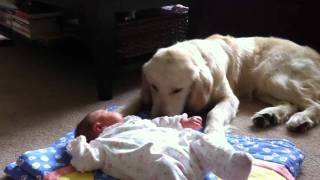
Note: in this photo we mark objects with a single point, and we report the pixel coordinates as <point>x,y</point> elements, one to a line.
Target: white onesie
<point>158,149</point>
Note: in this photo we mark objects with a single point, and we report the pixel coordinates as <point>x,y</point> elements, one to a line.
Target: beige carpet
<point>43,94</point>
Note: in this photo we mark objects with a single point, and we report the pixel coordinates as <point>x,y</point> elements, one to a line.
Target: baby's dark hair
<point>85,128</point>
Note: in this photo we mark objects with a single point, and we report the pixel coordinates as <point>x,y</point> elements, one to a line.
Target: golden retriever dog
<point>212,73</point>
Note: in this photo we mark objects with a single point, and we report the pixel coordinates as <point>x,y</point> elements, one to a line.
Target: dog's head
<point>176,77</point>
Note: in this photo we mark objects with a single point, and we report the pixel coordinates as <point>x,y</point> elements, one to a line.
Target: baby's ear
<point>98,127</point>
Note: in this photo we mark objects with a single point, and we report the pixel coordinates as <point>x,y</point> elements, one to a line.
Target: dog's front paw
<point>263,120</point>
<point>299,122</point>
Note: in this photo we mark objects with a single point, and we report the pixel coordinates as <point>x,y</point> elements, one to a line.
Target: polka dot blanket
<point>47,162</point>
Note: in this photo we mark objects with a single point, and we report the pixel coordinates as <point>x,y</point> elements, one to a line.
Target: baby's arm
<point>85,157</point>
<point>179,121</point>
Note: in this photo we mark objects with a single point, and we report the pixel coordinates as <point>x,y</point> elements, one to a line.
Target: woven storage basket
<point>138,36</point>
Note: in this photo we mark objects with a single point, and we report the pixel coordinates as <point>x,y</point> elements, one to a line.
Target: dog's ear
<point>201,90</point>
<point>145,91</point>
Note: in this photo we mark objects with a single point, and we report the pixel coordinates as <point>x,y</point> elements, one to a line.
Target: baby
<point>94,123</point>
<point>162,148</point>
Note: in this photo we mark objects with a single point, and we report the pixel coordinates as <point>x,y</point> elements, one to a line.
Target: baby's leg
<point>222,159</point>
<point>166,168</point>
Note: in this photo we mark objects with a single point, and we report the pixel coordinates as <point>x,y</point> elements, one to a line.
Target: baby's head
<point>95,122</point>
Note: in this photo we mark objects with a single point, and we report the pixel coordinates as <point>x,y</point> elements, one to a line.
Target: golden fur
<point>212,73</point>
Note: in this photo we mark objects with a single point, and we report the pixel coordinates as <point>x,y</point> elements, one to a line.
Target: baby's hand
<point>194,122</point>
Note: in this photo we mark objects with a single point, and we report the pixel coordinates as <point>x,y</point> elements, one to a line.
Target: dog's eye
<point>175,91</point>
<point>154,87</point>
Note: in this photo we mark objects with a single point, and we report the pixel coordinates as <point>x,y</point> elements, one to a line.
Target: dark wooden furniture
<point>98,22</point>
<point>293,19</point>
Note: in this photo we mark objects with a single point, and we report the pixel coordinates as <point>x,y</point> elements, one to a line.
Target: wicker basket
<point>143,34</point>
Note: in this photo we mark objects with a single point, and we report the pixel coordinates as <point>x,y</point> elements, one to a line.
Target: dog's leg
<point>279,113</point>
<point>224,111</point>
<point>306,119</point>
<point>273,115</point>
<point>221,115</point>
